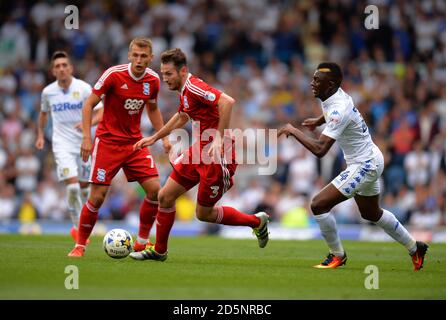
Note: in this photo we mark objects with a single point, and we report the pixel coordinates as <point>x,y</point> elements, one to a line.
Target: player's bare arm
<point>177,121</point>
<point>97,117</point>
<point>87,111</point>
<point>157,121</point>
<point>312,123</point>
<point>40,141</point>
<point>225,104</point>
<point>318,147</point>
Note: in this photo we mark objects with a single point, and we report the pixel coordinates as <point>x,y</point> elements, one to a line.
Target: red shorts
<point>108,158</point>
<point>214,179</point>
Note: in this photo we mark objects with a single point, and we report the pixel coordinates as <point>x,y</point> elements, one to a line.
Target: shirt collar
<point>132,75</point>
<point>187,79</point>
<point>330,99</point>
<point>65,91</point>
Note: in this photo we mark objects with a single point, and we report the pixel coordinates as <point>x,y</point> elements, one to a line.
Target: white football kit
<point>365,162</point>
<point>66,111</point>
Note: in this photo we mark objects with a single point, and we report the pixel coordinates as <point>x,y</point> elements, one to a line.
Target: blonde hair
<point>142,43</point>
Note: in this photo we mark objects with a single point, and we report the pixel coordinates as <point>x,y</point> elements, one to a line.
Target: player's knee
<point>153,195</point>
<point>204,215</point>
<point>370,215</point>
<point>97,199</point>
<point>73,193</point>
<point>165,200</point>
<point>319,207</point>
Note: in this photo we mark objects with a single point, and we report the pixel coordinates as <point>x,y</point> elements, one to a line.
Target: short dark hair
<point>176,56</point>
<point>59,54</point>
<point>333,69</point>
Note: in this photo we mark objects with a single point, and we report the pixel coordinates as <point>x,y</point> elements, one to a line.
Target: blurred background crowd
<point>263,53</point>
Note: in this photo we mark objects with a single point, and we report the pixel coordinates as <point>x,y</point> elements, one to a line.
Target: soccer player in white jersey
<point>365,164</point>
<point>64,99</point>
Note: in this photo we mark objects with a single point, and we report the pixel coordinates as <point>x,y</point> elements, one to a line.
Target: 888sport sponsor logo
<point>133,105</point>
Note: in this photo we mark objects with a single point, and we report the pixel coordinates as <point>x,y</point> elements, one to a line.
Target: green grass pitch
<point>33,267</point>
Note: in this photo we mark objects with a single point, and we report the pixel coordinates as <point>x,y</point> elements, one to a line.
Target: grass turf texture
<point>33,267</point>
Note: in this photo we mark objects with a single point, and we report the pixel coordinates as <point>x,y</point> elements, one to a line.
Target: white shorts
<point>70,164</point>
<point>361,178</point>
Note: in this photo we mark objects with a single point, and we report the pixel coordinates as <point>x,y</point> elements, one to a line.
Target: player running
<point>365,164</point>
<point>210,110</point>
<point>64,99</point>
<point>126,89</point>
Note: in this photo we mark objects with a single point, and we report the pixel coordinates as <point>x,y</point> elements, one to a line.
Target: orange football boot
<point>332,262</point>
<point>77,252</point>
<point>418,256</point>
<point>137,247</point>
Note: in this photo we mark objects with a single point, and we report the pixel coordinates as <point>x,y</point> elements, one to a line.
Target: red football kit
<point>200,102</point>
<point>124,97</point>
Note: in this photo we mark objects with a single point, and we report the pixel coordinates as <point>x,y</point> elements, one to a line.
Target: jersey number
<point>363,126</point>
<point>214,191</point>
<point>151,161</point>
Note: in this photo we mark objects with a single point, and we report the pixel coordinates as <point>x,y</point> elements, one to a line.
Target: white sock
<point>85,192</point>
<point>396,230</point>
<point>327,225</point>
<point>74,202</point>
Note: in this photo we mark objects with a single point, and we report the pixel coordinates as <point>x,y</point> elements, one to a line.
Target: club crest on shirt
<point>65,172</point>
<point>334,118</point>
<point>186,103</point>
<point>76,95</point>
<point>146,88</point>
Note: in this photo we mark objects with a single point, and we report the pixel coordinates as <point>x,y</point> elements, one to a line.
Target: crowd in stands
<point>262,53</point>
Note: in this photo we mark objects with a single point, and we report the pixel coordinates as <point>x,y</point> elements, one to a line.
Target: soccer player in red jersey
<point>125,90</point>
<point>211,110</point>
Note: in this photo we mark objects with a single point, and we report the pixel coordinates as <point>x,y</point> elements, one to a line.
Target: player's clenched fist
<point>40,142</point>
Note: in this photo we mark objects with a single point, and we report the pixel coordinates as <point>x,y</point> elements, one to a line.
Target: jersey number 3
<point>214,191</point>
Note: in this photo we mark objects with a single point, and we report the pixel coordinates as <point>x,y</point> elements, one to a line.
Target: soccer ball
<point>118,243</point>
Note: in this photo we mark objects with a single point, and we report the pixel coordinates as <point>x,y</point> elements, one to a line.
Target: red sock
<point>164,222</point>
<point>232,217</point>
<point>147,215</point>
<point>89,216</point>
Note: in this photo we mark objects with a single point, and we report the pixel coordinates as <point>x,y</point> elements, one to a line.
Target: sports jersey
<point>124,97</point>
<point>346,125</point>
<point>200,102</point>
<point>66,111</point>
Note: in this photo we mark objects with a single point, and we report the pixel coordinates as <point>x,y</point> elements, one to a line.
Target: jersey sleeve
<point>86,91</point>
<point>154,94</point>
<point>337,121</point>
<point>206,95</point>
<point>44,102</point>
<point>104,83</point>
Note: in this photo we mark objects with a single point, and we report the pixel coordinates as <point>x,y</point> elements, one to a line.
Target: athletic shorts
<point>361,178</point>
<point>214,179</point>
<point>70,165</point>
<point>108,159</point>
